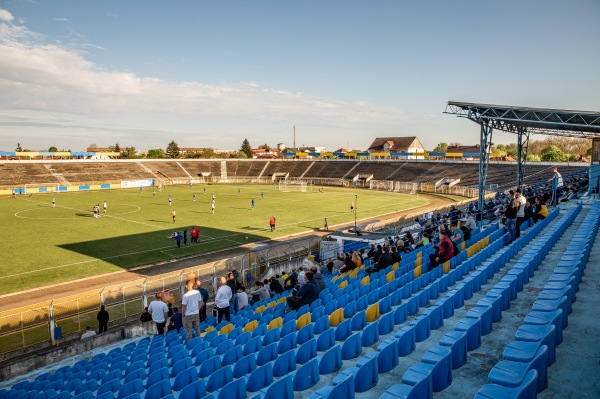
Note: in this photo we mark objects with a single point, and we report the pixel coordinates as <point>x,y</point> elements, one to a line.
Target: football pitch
<point>45,245</point>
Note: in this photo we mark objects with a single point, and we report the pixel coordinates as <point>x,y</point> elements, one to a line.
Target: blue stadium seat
<point>351,347</point>
<point>306,351</point>
<point>284,364</point>
<point>331,360</point>
<point>387,358</point>
<point>439,360</point>
<point>457,342</point>
<point>436,316</point>
<point>282,389</point>
<point>110,386</point>
<point>219,378</point>
<point>407,341</point>
<point>473,329</point>
<point>416,384</point>
<point>306,376</point>
<point>321,325</point>
<point>317,313</point>
<point>306,333</point>
<point>370,333</point>
<point>422,328</point>
<point>133,387</point>
<point>195,390</point>
<point>180,366</point>
<point>343,330</point>
<point>344,389</point>
<point>244,366</point>
<point>252,346</point>
<point>365,373</point>
<point>271,336</point>
<point>266,354</point>
<point>159,390</point>
<point>287,343</point>
<point>243,338</point>
<point>224,347</point>
<point>260,378</point>
<point>526,390</point>
<point>232,355</point>
<point>359,321</point>
<point>511,374</point>
<point>203,356</point>
<point>209,366</point>
<point>184,378</point>
<point>326,340</point>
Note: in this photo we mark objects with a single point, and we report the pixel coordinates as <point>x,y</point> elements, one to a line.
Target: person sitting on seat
<point>384,261</point>
<point>443,252</point>
<point>306,295</point>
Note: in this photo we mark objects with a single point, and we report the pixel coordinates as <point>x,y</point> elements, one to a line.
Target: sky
<point>211,73</point>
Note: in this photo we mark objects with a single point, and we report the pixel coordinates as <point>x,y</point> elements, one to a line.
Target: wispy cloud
<point>61,19</point>
<point>41,83</point>
<point>6,16</point>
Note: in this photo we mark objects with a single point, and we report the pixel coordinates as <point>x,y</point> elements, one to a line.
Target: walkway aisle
<point>468,379</point>
<point>576,373</point>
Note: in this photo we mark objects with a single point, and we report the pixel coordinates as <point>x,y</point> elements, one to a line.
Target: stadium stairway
<point>372,332</point>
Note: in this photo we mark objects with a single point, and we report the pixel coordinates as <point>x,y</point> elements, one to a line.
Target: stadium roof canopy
<point>580,124</point>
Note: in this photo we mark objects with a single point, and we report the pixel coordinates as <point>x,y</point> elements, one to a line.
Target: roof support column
<point>485,139</point>
<point>522,147</point>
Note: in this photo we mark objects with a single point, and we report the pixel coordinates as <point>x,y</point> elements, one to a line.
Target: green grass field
<point>44,245</point>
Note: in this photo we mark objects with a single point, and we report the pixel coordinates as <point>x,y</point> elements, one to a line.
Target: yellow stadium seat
<point>418,262</point>
<point>335,278</point>
<point>486,241</point>
<point>259,309</point>
<point>395,266</point>
<point>446,267</point>
<point>270,305</point>
<point>336,317</point>
<point>343,284</point>
<point>373,312</point>
<point>419,255</point>
<point>366,280</point>
<point>226,329</point>
<point>463,246</point>
<point>390,277</point>
<point>209,329</point>
<point>250,326</point>
<point>418,271</point>
<point>303,321</point>
<point>354,273</point>
<point>282,300</point>
<point>278,322</point>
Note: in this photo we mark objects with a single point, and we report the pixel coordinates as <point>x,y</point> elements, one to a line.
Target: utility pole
<point>294,136</point>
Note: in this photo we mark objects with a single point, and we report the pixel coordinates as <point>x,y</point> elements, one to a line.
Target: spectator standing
<point>178,239</point>
<point>325,225</point>
<point>521,212</point>
<point>222,299</point>
<point>511,215</point>
<point>102,318</point>
<point>159,311</point>
<point>88,333</point>
<point>185,236</point>
<point>204,294</point>
<point>190,308</point>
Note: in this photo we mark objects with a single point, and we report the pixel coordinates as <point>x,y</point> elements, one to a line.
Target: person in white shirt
<point>159,311</point>
<point>521,212</point>
<point>242,299</point>
<point>470,222</point>
<point>191,304</point>
<point>88,333</point>
<point>222,299</point>
<point>301,279</point>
